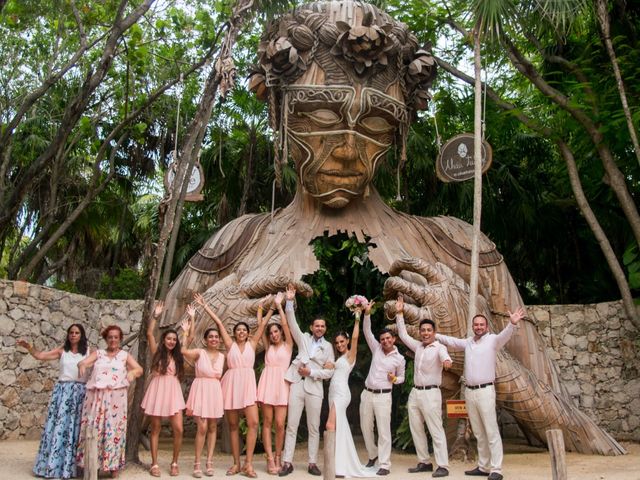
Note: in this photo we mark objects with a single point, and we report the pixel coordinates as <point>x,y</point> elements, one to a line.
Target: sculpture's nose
<point>347,150</point>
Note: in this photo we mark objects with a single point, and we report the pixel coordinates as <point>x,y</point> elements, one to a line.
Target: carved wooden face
<point>337,135</point>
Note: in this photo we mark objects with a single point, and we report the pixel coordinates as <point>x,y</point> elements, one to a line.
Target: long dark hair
<point>160,361</point>
<point>83,344</point>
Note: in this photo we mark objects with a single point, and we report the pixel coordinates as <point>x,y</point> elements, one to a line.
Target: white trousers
<point>376,406</point>
<point>426,406</point>
<point>481,408</point>
<point>300,400</point>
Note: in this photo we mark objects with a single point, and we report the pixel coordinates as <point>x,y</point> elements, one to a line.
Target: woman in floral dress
<point>104,414</point>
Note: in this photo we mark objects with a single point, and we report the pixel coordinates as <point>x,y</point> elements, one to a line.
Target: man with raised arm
<point>425,399</point>
<point>480,352</point>
<point>386,370</point>
<point>306,374</point>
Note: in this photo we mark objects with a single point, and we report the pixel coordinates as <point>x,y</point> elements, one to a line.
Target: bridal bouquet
<point>356,303</point>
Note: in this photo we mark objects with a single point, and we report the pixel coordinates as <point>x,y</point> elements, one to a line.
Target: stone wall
<point>42,315</point>
<point>595,347</point>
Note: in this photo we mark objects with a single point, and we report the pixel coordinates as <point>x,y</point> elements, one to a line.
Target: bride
<point>347,463</point>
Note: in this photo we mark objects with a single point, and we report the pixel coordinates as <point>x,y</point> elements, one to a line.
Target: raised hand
<point>199,299</point>
<point>291,292</point>
<point>368,307</point>
<point>516,316</point>
<point>399,305</point>
<point>158,309</point>
<point>277,301</point>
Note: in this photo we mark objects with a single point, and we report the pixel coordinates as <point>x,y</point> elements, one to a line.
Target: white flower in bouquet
<point>356,303</point>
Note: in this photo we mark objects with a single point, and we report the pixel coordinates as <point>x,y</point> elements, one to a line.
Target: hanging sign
<point>196,181</point>
<point>455,162</point>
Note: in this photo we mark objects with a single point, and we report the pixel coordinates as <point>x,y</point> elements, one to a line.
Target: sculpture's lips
<point>340,173</point>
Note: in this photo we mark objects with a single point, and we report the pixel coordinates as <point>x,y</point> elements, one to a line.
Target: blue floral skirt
<point>57,453</point>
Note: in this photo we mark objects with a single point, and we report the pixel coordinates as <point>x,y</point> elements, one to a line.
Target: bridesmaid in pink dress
<point>205,396</point>
<point>239,387</point>
<point>163,397</point>
<point>273,389</point>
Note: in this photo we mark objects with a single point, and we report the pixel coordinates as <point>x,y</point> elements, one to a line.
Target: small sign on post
<point>455,162</point>
<point>456,409</point>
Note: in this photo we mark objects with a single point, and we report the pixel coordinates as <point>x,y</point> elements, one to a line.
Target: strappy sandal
<point>209,471</point>
<point>173,471</point>
<point>278,462</point>
<point>233,470</point>
<point>154,471</point>
<point>272,469</point>
<point>248,471</point>
<point>197,470</point>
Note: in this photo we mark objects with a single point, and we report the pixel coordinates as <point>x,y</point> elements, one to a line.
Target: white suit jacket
<point>323,353</point>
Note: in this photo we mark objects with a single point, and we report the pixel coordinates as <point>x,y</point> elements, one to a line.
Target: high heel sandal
<point>278,462</point>
<point>248,471</point>
<point>174,471</point>
<point>209,471</point>
<point>272,469</point>
<point>154,471</point>
<point>197,470</point>
<point>233,469</point>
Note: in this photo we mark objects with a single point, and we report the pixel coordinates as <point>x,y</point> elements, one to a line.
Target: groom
<point>305,374</point>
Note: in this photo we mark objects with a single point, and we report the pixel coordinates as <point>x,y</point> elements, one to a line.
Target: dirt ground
<point>520,463</point>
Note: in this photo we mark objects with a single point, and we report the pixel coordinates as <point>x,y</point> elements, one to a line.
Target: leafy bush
<point>127,284</point>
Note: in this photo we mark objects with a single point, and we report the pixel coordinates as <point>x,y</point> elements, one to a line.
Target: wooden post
<point>329,466</point>
<point>555,441</point>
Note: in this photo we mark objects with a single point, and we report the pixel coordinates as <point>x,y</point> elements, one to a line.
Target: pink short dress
<point>273,389</point>
<point>205,396</point>
<point>239,381</point>
<point>163,397</point>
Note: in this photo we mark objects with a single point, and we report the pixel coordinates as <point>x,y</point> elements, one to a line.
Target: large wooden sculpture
<point>343,81</point>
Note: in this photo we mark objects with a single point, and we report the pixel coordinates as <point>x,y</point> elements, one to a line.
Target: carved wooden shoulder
<point>229,244</point>
<point>455,237</point>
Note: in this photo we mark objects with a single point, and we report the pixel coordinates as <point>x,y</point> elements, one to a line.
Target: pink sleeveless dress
<point>272,388</point>
<point>239,381</point>
<point>163,397</point>
<point>205,396</point>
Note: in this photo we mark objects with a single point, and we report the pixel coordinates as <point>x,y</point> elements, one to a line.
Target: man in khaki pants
<point>386,370</point>
<point>425,399</point>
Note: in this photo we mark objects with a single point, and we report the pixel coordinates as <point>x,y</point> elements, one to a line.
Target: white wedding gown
<point>347,461</point>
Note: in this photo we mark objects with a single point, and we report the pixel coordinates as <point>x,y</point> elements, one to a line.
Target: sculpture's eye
<point>324,117</point>
<point>377,125</point>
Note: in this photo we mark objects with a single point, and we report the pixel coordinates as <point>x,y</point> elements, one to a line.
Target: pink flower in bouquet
<point>356,303</point>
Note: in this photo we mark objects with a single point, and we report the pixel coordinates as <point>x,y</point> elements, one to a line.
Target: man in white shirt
<point>387,369</point>
<point>306,375</point>
<point>425,399</point>
<point>479,374</point>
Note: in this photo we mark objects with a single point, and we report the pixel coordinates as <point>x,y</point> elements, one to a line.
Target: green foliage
<point>631,259</point>
<point>127,284</point>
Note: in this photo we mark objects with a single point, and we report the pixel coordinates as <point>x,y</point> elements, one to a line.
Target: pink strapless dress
<point>273,389</point>
<point>239,381</point>
<point>163,397</point>
<point>205,395</point>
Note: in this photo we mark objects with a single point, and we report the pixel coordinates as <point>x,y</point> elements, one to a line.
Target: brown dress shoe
<point>314,470</point>
<point>383,471</point>
<point>440,472</point>
<point>371,462</point>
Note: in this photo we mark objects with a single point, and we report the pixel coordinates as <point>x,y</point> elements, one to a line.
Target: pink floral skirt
<point>104,418</point>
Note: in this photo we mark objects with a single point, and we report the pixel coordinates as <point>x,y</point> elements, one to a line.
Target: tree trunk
<point>477,177</point>
<point>605,26</point>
